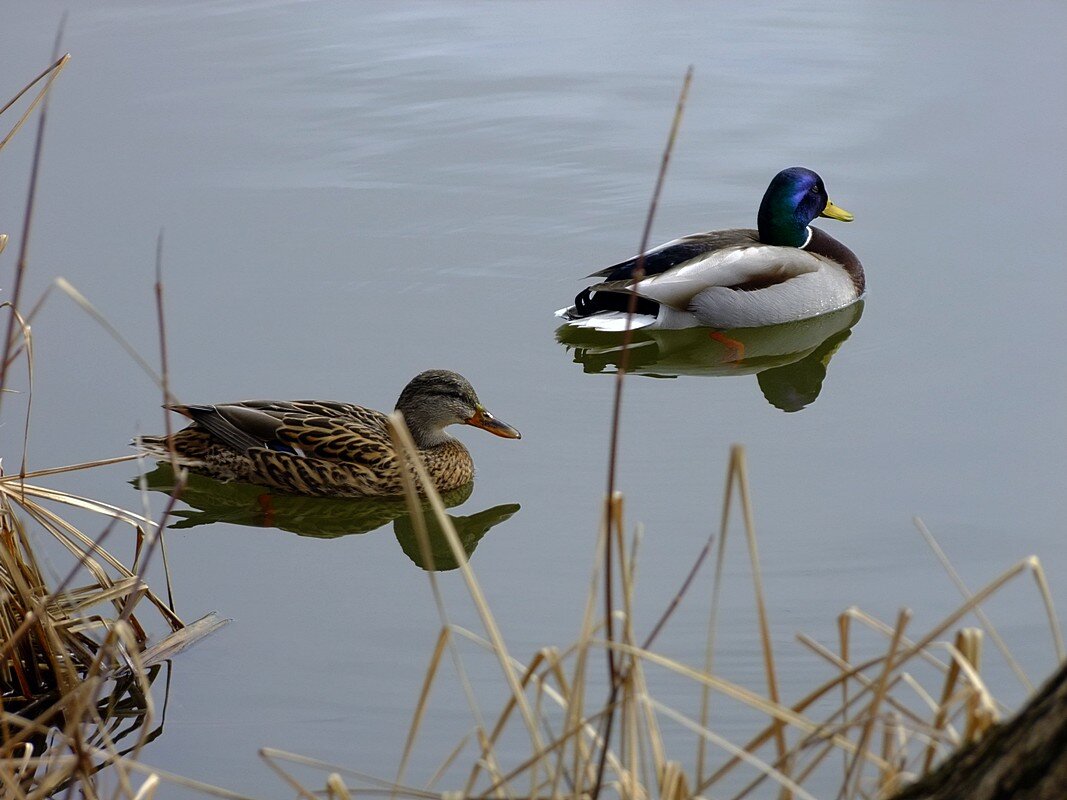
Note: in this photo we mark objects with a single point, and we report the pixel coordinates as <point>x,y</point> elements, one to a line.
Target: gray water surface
<point>354,192</point>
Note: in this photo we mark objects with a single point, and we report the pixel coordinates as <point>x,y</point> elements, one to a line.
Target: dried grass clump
<point>76,666</point>
<point>885,715</point>
<point>76,663</point>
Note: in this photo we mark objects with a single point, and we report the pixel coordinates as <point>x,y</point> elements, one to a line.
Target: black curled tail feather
<point>588,302</point>
<point>583,303</point>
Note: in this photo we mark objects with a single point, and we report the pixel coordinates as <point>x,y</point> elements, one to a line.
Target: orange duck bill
<point>487,422</point>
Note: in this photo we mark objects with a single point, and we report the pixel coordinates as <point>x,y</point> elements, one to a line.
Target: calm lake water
<point>354,192</point>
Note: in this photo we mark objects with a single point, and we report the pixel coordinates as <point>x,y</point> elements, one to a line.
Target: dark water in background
<point>352,193</point>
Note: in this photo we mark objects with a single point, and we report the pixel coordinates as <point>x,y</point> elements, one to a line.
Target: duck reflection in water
<point>789,360</point>
<point>214,501</point>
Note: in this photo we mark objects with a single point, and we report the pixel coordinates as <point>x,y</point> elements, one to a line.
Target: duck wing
<point>328,431</point>
<point>679,251</point>
<point>734,260</point>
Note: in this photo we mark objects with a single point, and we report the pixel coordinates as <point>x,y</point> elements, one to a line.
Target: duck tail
<point>164,448</point>
<point>588,303</point>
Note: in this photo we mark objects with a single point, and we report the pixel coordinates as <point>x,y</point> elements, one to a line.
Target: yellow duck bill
<point>836,212</point>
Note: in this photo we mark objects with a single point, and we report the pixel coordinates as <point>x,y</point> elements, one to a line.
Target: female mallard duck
<point>737,278</point>
<point>326,448</point>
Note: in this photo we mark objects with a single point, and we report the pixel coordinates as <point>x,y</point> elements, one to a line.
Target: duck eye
<point>815,189</point>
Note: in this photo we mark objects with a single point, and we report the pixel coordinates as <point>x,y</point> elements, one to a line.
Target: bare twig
<point>168,399</point>
<point>27,222</point>
<point>616,417</point>
<point>52,72</point>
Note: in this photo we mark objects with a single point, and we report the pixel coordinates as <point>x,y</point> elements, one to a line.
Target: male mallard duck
<point>327,448</point>
<point>737,278</point>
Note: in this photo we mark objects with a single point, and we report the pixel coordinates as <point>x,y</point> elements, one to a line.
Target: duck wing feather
<point>338,432</point>
<point>679,251</point>
<point>729,259</point>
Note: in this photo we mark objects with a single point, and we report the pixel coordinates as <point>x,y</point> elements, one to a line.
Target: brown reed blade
<point>51,73</point>
<point>889,663</point>
<point>616,419</point>
<point>27,222</point>
<point>410,460</point>
<point>990,629</point>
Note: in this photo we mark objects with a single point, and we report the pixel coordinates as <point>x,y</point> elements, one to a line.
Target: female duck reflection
<point>214,501</point>
<point>789,361</point>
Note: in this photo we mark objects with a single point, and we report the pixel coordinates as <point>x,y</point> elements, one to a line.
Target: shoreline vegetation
<point>80,658</point>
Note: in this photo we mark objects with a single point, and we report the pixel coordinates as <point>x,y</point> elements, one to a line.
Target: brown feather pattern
<point>325,448</point>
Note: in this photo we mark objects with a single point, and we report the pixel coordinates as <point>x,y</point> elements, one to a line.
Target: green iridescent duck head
<point>795,197</point>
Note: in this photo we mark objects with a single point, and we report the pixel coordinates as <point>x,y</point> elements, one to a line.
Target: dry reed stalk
<point>876,708</point>
<point>554,774</point>
<point>871,713</point>
<point>424,697</point>
<point>274,758</point>
<point>75,667</point>
<point>31,195</point>
<point>49,76</point>
<point>410,463</point>
<point>616,415</point>
<point>67,667</point>
<point>841,664</point>
<point>739,469</point>
<point>992,632</point>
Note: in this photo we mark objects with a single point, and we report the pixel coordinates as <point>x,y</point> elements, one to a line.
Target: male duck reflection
<point>327,448</point>
<point>790,361</point>
<point>737,278</point>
